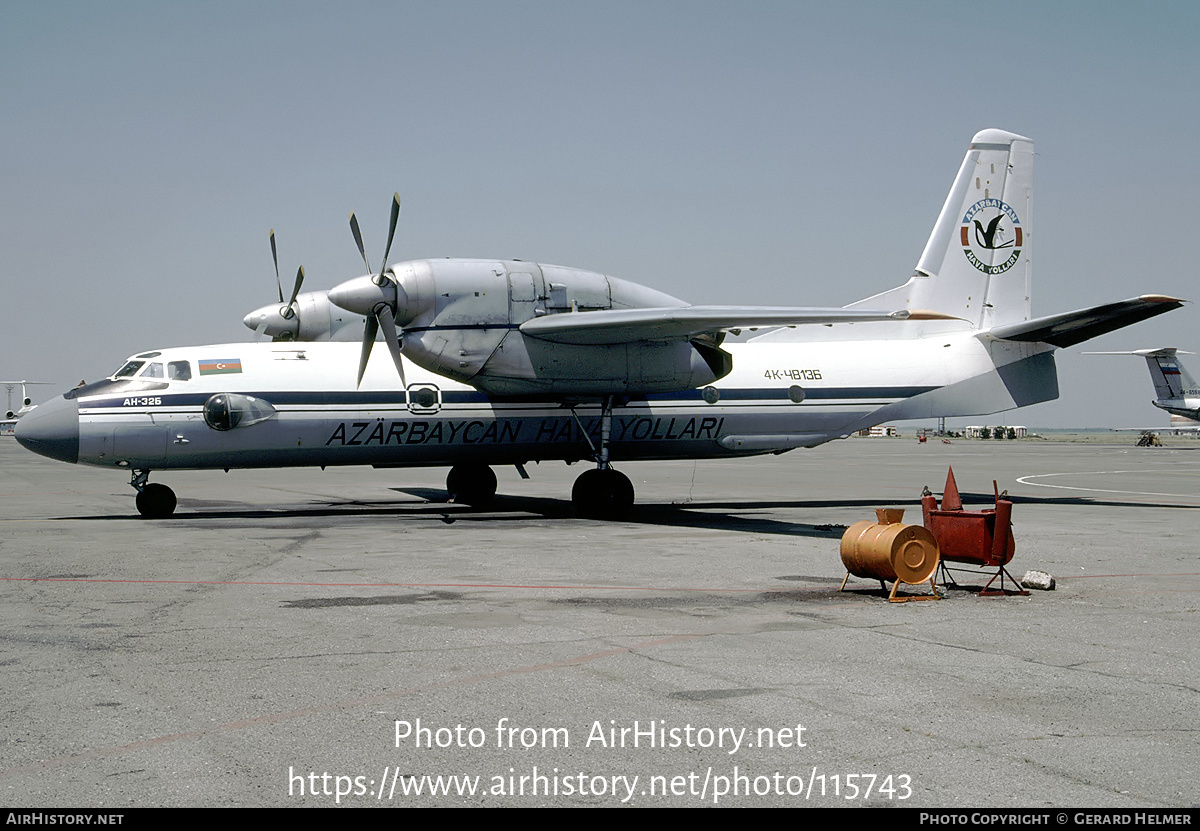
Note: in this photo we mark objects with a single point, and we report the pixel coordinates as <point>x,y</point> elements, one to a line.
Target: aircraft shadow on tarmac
<point>725,515</point>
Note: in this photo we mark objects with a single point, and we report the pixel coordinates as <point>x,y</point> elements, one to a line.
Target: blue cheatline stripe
<point>450,397</point>
<point>810,394</point>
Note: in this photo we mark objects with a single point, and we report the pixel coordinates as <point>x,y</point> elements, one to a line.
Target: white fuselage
<point>781,394</point>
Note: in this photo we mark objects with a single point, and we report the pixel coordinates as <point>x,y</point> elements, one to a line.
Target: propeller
<point>377,299</point>
<point>290,311</point>
<point>280,321</point>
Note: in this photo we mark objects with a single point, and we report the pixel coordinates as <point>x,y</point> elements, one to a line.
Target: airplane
<point>1174,389</point>
<point>506,362</point>
<point>9,422</point>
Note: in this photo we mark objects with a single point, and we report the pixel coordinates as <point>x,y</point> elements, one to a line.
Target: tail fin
<point>976,264</point>
<point>1171,380</point>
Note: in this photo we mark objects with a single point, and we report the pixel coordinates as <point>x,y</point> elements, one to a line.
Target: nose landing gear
<point>154,500</point>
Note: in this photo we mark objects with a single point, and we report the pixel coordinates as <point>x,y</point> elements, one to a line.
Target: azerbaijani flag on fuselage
<point>227,366</point>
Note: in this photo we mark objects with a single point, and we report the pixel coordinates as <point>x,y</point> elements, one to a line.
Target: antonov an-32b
<point>498,362</point>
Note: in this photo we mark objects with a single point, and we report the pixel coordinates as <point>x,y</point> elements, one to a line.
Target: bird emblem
<point>988,238</point>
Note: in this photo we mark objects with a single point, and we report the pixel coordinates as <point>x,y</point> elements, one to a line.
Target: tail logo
<point>984,234</point>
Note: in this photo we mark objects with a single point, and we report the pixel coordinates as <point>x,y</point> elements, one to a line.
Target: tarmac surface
<point>307,637</point>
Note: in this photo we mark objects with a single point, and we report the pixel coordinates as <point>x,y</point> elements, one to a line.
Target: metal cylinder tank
<point>889,550</point>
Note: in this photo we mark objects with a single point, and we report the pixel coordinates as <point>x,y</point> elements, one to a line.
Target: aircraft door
<point>142,445</point>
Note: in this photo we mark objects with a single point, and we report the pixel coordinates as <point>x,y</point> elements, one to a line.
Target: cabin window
<point>424,398</point>
<point>179,371</point>
<point>154,370</point>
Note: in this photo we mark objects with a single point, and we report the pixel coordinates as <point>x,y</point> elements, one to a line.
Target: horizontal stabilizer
<point>1160,352</point>
<point>684,322</point>
<point>1171,428</point>
<point>1084,324</point>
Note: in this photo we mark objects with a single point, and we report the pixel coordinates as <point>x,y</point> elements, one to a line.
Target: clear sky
<point>759,152</point>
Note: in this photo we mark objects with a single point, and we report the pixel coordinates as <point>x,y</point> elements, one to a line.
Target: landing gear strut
<point>472,484</point>
<point>154,500</point>
<point>602,493</point>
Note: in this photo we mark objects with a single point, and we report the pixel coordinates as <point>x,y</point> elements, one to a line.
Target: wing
<point>684,322</point>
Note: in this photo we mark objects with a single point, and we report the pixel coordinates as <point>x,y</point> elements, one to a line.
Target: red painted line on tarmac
<point>531,586</point>
<point>387,585</point>
<point>275,718</point>
<point>1141,574</point>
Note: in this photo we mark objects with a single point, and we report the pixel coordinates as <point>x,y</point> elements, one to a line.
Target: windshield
<point>128,370</point>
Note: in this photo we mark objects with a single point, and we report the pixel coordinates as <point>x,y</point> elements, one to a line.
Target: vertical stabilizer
<point>1171,379</point>
<point>1173,384</point>
<point>976,264</point>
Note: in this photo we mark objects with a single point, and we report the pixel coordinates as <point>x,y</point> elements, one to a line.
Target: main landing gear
<point>599,493</point>
<point>602,493</point>
<point>472,484</point>
<point>154,500</point>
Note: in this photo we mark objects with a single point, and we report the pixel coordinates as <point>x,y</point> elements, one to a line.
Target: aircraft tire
<point>602,494</point>
<point>472,484</point>
<point>156,501</point>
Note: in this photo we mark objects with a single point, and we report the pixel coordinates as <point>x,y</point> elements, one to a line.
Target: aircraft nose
<point>51,429</point>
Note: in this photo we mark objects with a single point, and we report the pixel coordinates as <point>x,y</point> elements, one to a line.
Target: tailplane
<point>976,264</point>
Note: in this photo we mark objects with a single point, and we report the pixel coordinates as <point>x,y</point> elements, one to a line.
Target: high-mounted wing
<point>601,328</point>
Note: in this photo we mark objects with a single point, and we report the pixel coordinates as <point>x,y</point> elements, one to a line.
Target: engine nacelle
<point>461,319</point>
<point>312,318</point>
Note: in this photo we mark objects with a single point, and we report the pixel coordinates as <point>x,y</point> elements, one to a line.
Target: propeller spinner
<point>378,297</point>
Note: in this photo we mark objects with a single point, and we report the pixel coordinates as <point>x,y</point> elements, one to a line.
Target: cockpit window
<point>179,371</point>
<point>154,370</point>
<point>130,369</point>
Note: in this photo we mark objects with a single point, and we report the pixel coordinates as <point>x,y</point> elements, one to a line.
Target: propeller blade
<point>392,338</point>
<point>391,232</point>
<point>275,258</point>
<point>372,328</point>
<point>358,240</point>
<point>296,289</point>
<point>289,311</point>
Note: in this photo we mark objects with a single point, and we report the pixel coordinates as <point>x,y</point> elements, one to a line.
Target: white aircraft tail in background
<point>1174,389</point>
<point>9,422</point>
